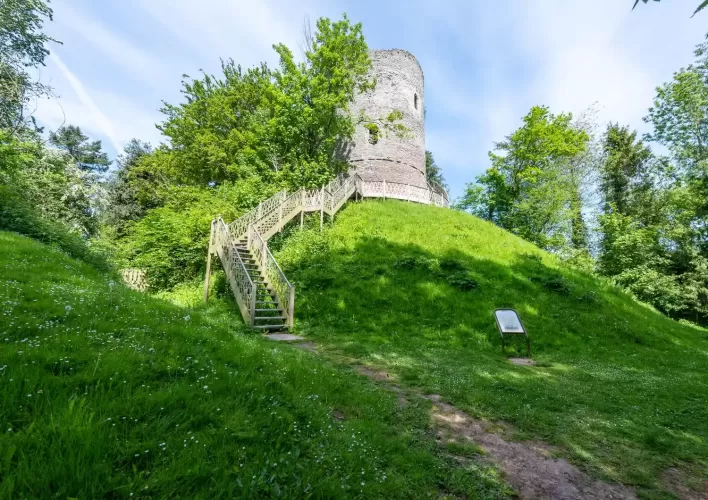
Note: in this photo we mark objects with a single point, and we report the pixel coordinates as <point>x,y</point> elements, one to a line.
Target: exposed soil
<point>527,465</point>
<point>674,481</point>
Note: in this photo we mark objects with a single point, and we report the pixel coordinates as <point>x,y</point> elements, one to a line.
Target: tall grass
<point>105,392</point>
<point>621,388</point>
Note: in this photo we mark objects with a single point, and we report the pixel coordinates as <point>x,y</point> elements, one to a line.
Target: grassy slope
<point>105,392</point>
<point>622,388</point>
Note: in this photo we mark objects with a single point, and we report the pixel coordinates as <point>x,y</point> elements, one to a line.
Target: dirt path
<point>527,465</point>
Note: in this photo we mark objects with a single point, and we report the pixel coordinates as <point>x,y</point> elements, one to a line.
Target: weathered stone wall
<point>399,87</point>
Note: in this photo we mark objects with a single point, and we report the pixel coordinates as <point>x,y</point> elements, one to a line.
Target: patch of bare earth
<point>528,466</point>
<point>387,378</point>
<point>674,480</point>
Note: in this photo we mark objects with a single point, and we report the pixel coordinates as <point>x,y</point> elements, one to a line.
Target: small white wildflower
<point>67,309</point>
<point>186,318</point>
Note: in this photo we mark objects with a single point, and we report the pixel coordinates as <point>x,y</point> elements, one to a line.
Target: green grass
<point>106,392</point>
<point>620,388</point>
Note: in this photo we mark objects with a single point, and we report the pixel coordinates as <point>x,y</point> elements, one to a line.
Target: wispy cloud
<point>122,55</point>
<point>97,116</point>
<point>485,63</point>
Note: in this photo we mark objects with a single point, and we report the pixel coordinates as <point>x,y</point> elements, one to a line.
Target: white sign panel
<point>509,321</point>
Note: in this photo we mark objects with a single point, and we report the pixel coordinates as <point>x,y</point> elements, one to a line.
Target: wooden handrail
<point>271,215</point>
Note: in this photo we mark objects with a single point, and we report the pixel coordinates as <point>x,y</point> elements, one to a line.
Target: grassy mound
<point>105,392</point>
<point>412,288</point>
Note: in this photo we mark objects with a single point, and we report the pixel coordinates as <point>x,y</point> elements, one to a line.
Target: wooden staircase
<point>263,293</point>
<point>269,314</point>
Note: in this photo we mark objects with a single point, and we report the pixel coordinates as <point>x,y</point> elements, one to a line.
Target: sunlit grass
<point>622,389</point>
<point>109,393</point>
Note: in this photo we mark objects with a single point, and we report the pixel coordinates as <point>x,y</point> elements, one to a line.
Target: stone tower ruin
<point>382,155</point>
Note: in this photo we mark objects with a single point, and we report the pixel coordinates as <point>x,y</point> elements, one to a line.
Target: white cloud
<point>505,57</point>
<point>96,116</point>
<point>125,56</point>
<point>486,63</point>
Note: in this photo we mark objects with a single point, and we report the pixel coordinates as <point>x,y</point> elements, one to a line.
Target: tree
<point>311,123</point>
<point>49,182</point>
<point>87,154</point>
<point>433,173</point>
<point>624,170</point>
<point>288,126</point>
<point>580,172</point>
<point>701,6</point>
<point>22,46</point>
<point>123,205</point>
<point>527,189</point>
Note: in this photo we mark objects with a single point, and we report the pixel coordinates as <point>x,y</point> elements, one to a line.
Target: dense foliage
<point>527,189</point>
<point>236,140</point>
<point>23,46</point>
<point>648,212</point>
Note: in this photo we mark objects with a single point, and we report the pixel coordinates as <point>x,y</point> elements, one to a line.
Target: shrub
<point>448,264</point>
<point>17,215</point>
<point>557,284</point>
<point>463,281</point>
<point>170,243</point>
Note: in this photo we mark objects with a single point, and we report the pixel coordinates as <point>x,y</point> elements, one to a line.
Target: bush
<point>18,216</point>
<point>557,284</point>
<point>170,243</point>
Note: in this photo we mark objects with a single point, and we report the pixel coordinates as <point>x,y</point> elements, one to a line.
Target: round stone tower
<point>379,153</point>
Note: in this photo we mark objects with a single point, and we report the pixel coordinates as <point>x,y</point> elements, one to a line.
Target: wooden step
<point>269,310</point>
<point>279,318</point>
<point>269,327</point>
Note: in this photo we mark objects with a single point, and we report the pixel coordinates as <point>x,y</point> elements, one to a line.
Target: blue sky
<point>485,63</point>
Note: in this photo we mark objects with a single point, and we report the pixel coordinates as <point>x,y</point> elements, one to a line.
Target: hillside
<point>106,392</point>
<point>411,289</point>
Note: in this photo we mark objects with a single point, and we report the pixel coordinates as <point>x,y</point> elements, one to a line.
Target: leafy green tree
<point>23,45</point>
<point>287,126</point>
<point>311,123</point>
<point>624,170</point>
<point>701,5</point>
<point>218,134</point>
<point>433,172</point>
<point>527,190</point>
<point>50,182</point>
<point>679,117</point>
<point>88,154</point>
<point>123,205</point>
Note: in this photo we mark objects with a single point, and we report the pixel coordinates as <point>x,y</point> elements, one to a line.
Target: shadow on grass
<point>617,381</point>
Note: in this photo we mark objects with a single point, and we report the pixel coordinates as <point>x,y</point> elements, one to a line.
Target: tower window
<point>415,101</point>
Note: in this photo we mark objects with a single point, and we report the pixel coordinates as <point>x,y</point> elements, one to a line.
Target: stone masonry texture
<point>399,87</point>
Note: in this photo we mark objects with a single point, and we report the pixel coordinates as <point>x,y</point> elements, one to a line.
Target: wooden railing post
<point>280,211</point>
<point>208,266</point>
<point>254,296</point>
<point>322,207</point>
<point>291,312</point>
